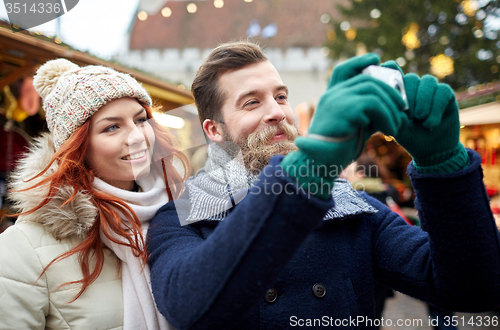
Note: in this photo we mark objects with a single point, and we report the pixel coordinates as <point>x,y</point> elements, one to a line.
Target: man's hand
<point>351,68</point>
<point>354,107</point>
<point>348,114</point>
<point>431,133</point>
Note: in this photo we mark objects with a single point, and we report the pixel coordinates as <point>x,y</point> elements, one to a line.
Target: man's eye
<point>251,103</point>
<point>282,97</point>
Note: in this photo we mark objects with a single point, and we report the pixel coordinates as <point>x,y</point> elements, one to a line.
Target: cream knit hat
<point>71,94</point>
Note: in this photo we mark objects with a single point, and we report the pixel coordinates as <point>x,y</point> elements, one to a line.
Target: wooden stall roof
<point>481,114</point>
<point>23,51</point>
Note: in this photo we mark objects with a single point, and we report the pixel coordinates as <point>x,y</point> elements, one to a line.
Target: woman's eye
<point>111,128</point>
<point>141,121</point>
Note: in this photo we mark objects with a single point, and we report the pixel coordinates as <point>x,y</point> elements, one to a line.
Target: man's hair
<point>226,57</point>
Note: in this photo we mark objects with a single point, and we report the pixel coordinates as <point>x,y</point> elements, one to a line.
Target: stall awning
<point>25,50</point>
<point>488,113</point>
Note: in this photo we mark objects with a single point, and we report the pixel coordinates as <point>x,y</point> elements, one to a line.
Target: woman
<point>75,259</point>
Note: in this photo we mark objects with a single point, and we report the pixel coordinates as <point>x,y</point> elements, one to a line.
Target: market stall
<point>481,132</point>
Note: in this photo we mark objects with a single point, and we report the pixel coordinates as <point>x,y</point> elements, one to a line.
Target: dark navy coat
<point>274,263</point>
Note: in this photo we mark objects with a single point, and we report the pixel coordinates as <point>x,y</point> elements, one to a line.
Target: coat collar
<point>348,202</point>
<point>60,219</point>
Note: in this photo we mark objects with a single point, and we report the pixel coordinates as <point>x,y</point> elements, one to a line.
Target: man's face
<point>256,113</point>
<point>255,98</point>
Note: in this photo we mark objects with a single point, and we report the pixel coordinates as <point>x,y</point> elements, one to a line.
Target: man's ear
<point>213,130</point>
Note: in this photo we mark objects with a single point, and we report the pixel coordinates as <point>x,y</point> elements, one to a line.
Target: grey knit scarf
<point>221,184</point>
<point>224,181</point>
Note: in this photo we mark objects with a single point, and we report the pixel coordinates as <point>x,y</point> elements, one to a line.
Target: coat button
<point>319,290</point>
<point>271,296</point>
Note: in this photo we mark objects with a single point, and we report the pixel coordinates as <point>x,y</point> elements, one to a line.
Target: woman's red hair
<point>72,171</point>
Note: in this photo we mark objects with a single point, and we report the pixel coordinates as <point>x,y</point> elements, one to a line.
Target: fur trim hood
<point>72,219</point>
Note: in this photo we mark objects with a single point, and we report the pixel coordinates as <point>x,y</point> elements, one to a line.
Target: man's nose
<point>275,113</point>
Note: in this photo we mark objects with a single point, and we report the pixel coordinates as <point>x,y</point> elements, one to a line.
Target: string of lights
<point>191,8</point>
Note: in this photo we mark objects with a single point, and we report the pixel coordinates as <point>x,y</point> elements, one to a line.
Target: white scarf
<point>139,312</point>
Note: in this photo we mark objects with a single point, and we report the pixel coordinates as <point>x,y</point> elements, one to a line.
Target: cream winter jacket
<point>28,301</point>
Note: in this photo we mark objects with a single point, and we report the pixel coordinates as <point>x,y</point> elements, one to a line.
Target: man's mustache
<point>264,136</point>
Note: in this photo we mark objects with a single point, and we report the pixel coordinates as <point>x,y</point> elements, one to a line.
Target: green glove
<point>347,114</point>
<point>431,134</point>
<point>352,67</point>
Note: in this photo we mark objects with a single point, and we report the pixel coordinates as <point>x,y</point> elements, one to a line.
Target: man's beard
<point>257,149</point>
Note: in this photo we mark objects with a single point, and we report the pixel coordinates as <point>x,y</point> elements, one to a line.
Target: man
<point>294,251</point>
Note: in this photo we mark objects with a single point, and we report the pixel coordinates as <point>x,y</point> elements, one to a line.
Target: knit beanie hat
<point>71,94</point>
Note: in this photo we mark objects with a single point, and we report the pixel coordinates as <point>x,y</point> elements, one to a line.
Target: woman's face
<point>121,143</point>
